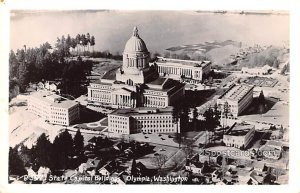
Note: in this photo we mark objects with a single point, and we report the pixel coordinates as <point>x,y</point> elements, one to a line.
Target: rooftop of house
<point>274,143</point>
<point>237,92</point>
<point>239,129</point>
<point>273,151</point>
<point>259,165</point>
<point>258,176</point>
<point>53,99</point>
<point>92,163</point>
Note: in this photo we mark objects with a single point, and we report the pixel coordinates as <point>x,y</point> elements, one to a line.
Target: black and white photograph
<point>127,97</point>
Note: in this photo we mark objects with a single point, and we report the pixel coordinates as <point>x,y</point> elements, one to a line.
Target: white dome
<point>135,43</point>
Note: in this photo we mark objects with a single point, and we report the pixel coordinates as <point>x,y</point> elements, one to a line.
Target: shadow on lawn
<point>254,109</point>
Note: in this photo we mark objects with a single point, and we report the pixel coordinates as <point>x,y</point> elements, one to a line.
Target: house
<point>119,178</point>
<point>108,169</point>
<point>43,172</point>
<point>52,86</point>
<point>270,152</point>
<point>194,168</point>
<point>225,181</point>
<point>38,176</point>
<point>257,178</point>
<point>31,173</point>
<point>210,159</point>
<point>276,144</point>
<point>40,86</point>
<point>243,177</point>
<point>89,166</point>
<point>216,176</point>
<point>47,85</point>
<point>272,149</point>
<point>259,166</point>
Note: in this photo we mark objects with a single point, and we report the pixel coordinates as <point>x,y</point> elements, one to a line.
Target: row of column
<point>153,101</point>
<point>123,100</point>
<point>101,95</point>
<point>136,62</point>
<point>173,70</point>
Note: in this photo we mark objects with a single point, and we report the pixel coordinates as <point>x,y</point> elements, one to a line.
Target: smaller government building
<point>182,69</point>
<point>239,135</point>
<point>53,108</point>
<point>238,98</point>
<point>143,119</point>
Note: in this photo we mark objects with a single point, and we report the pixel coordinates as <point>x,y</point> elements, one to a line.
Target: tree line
<point>65,152</point>
<point>78,44</point>
<point>47,63</point>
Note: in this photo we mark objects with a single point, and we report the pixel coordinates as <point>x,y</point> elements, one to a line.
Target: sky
<point>159,29</point>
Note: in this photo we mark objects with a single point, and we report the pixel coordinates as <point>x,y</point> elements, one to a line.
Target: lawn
<point>85,126</point>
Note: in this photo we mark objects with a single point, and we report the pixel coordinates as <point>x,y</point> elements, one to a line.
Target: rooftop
<point>274,143</point>
<point>239,129</point>
<point>53,99</point>
<point>258,176</point>
<point>141,110</point>
<point>165,84</point>
<point>237,92</point>
<point>259,164</point>
<point>158,81</point>
<point>191,63</point>
<point>110,75</point>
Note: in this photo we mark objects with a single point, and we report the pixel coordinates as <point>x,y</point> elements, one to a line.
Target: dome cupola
<point>135,43</point>
<point>135,55</point>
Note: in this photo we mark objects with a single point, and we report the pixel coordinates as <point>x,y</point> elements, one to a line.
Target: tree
<point>13,65</point>
<point>208,120</point>
<point>78,142</point>
<point>73,43</point>
<point>23,76</point>
<point>195,118</point>
<point>62,149</point>
<point>92,42</point>
<point>83,42</point>
<point>43,151</point>
<point>78,42</point>
<point>217,115</point>
<point>175,115</point>
<point>176,160</point>
<point>134,171</point>
<point>261,103</point>
<point>88,38</point>
<point>68,41</point>
<point>187,150</point>
<point>15,164</point>
<point>159,161</point>
<point>225,115</point>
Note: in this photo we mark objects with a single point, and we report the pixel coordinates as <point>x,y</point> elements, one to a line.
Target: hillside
<point>221,55</point>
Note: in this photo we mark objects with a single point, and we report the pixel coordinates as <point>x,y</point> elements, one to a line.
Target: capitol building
<point>136,83</point>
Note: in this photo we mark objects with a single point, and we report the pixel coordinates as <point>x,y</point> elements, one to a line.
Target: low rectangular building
<point>239,135</point>
<point>53,108</point>
<point>237,97</point>
<point>190,69</point>
<point>143,119</point>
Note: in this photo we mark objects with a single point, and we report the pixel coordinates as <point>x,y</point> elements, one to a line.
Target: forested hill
<point>62,62</point>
